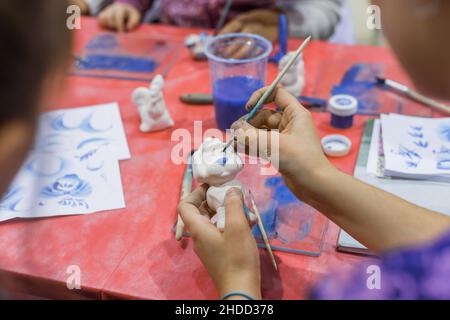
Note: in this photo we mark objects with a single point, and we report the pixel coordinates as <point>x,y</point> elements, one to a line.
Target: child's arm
<point>231,256</point>
<point>96,6</point>
<point>378,219</point>
<point>318,18</point>
<point>123,15</point>
<point>82,4</point>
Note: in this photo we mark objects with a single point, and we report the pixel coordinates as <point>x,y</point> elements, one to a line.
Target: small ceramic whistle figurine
<point>294,80</point>
<point>212,166</point>
<point>152,107</point>
<point>196,45</point>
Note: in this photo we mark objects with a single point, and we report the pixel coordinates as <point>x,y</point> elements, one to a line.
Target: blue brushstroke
<point>281,192</point>
<point>421,144</point>
<point>93,140</point>
<point>118,63</point>
<point>222,161</point>
<point>87,155</point>
<point>442,150</point>
<point>360,82</point>
<point>70,184</point>
<point>283,201</point>
<point>85,125</point>
<point>269,220</point>
<point>407,153</point>
<point>103,41</point>
<point>34,167</point>
<point>443,164</point>
<point>416,135</point>
<point>11,199</point>
<point>93,168</point>
<point>444,132</point>
<point>58,124</point>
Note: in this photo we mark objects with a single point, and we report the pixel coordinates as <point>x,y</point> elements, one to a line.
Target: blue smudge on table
<point>119,63</point>
<point>360,82</point>
<point>284,204</point>
<point>103,41</point>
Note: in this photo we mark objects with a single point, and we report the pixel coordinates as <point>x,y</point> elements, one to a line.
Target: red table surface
<point>132,253</point>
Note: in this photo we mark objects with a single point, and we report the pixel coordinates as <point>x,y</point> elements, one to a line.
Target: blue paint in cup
<point>230,97</point>
<point>234,79</point>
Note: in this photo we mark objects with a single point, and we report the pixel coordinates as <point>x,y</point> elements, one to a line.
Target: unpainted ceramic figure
<point>196,45</point>
<point>212,166</point>
<point>152,107</point>
<point>294,79</point>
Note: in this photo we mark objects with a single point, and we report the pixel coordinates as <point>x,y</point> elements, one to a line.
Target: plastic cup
<point>238,67</point>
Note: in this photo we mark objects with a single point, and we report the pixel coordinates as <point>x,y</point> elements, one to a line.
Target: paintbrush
<point>414,95</point>
<point>263,231</point>
<point>272,87</point>
<point>223,17</point>
<point>185,190</point>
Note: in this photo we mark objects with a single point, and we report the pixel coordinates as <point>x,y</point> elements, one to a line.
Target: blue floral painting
<point>71,188</point>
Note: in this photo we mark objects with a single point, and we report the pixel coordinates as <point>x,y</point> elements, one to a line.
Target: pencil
<point>185,190</point>
<point>223,16</point>
<point>263,232</point>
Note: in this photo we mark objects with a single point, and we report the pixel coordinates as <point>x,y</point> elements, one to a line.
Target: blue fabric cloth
<point>415,273</point>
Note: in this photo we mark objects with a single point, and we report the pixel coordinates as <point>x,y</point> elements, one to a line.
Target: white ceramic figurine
<point>212,166</point>
<point>294,80</point>
<point>152,107</point>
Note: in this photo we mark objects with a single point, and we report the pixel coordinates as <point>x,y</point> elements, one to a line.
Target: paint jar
<point>342,108</point>
<point>238,67</point>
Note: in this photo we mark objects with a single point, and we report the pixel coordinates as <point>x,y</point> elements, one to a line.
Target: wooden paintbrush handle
<point>430,102</point>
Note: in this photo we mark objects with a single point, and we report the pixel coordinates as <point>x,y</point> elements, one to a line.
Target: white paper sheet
<point>73,168</point>
<point>53,185</point>
<point>415,147</point>
<point>82,130</point>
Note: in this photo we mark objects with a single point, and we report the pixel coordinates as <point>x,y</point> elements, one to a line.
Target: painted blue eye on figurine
<point>222,161</point>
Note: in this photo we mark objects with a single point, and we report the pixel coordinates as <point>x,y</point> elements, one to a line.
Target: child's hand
<point>81,4</point>
<point>298,152</point>
<point>262,22</point>
<point>120,17</point>
<point>231,257</point>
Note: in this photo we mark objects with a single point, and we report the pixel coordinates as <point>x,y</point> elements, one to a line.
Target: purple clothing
<point>416,273</point>
<point>198,13</point>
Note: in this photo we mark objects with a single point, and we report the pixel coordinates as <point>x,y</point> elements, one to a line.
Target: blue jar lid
<point>343,105</point>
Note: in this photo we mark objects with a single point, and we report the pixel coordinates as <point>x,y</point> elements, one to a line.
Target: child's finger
<point>255,142</point>
<point>235,219</point>
<point>266,119</point>
<point>134,18</point>
<point>119,20</point>
<point>188,208</point>
<point>232,27</point>
<point>197,197</point>
<point>111,19</point>
<point>280,96</point>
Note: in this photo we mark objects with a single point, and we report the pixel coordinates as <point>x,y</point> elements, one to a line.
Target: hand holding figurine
<point>231,257</point>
